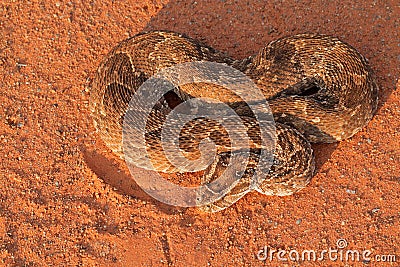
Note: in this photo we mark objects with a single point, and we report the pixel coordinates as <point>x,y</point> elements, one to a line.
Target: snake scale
<point>319,88</point>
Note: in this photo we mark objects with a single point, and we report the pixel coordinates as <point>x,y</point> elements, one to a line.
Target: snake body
<point>319,89</point>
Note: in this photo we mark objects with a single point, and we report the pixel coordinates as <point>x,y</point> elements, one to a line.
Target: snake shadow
<point>113,173</point>
<point>322,153</point>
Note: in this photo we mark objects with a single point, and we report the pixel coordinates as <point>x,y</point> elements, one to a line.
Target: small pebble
<point>375,210</point>
<point>350,191</point>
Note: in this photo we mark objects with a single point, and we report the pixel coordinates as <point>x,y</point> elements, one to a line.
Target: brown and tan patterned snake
<point>319,89</point>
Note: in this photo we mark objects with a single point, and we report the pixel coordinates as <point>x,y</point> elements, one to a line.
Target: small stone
<point>349,191</point>
<point>375,210</point>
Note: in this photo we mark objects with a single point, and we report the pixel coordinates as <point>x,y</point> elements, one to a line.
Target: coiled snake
<point>319,89</point>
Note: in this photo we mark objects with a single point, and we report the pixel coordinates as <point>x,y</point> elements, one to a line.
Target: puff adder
<point>319,89</point>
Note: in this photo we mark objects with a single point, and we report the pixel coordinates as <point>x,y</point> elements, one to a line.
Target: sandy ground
<point>65,200</point>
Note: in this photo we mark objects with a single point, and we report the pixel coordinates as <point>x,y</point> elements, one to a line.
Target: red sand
<point>67,201</point>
